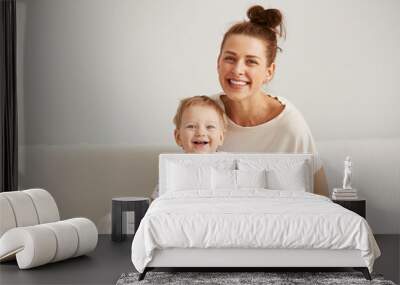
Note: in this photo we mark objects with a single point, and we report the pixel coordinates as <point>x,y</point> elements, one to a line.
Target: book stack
<point>344,194</point>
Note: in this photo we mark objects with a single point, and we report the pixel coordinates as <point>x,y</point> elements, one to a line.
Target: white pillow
<point>294,178</point>
<point>224,179</point>
<point>182,177</point>
<point>251,178</point>
<point>229,179</point>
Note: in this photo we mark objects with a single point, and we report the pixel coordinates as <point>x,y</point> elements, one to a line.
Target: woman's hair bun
<point>269,18</point>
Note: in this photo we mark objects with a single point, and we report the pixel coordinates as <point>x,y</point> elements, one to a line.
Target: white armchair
<point>31,230</point>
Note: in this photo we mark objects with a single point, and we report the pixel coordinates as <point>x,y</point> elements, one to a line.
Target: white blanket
<point>251,218</point>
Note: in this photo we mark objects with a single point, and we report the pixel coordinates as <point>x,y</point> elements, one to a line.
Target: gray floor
<point>110,259</point>
<point>102,266</point>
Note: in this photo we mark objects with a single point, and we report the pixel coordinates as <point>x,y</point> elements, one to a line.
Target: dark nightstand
<point>358,206</point>
<point>138,205</point>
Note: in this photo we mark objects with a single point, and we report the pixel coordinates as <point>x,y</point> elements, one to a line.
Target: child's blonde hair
<point>198,101</point>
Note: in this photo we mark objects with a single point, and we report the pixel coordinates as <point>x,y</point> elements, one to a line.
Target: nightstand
<point>358,206</point>
<point>138,205</point>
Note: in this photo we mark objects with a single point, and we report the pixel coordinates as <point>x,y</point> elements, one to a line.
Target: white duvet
<point>250,218</point>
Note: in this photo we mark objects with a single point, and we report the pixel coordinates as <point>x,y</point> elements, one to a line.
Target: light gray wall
<point>100,81</point>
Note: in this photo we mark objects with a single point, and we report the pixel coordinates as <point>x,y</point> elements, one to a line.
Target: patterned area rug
<point>270,278</point>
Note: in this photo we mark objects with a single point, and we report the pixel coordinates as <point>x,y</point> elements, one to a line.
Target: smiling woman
<point>257,121</point>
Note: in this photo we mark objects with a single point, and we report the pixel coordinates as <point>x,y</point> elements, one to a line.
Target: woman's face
<point>243,67</point>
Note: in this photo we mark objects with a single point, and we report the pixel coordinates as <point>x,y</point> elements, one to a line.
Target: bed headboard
<point>284,165</point>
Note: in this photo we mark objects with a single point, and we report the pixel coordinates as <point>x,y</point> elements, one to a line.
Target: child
<point>199,125</point>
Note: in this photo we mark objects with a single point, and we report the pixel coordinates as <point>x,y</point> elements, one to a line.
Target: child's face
<point>201,130</point>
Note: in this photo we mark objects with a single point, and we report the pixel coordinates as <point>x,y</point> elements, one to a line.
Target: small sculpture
<point>347,173</point>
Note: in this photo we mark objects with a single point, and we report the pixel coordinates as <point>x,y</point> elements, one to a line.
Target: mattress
<point>233,201</point>
<point>253,218</point>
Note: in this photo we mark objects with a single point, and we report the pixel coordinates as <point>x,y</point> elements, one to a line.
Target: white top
<point>286,133</point>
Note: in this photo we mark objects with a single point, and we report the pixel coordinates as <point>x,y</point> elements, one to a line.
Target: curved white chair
<point>31,232</point>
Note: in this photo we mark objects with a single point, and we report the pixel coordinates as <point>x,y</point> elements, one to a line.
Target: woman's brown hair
<point>264,24</point>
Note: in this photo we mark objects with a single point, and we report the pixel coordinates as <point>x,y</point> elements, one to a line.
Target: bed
<point>247,210</point>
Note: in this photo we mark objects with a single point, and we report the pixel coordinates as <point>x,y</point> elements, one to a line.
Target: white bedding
<point>251,218</point>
